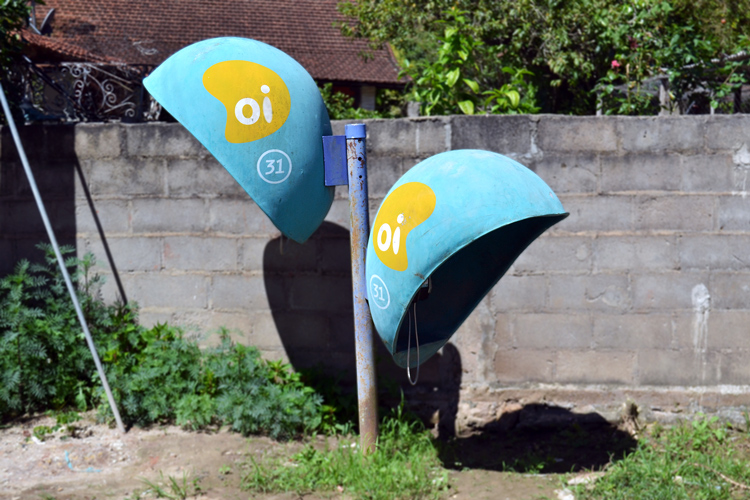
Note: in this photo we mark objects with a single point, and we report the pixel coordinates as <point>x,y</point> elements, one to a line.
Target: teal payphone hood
<point>450,227</point>
<point>261,115</point>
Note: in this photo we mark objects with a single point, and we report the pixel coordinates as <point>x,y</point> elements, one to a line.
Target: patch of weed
<point>404,465</point>
<point>695,460</point>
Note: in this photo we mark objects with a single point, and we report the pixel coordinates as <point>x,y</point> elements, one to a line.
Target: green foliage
<point>13,15</point>
<point>404,465</point>
<point>697,460</point>
<point>455,82</point>
<point>44,360</point>
<point>389,103</point>
<point>567,47</point>
<point>156,374</point>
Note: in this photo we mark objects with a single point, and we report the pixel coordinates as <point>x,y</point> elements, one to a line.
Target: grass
<point>702,459</point>
<point>405,465</point>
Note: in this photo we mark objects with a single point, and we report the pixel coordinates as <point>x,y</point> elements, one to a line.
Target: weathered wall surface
<point>642,294</point>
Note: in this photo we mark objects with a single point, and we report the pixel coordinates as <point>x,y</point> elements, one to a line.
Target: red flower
<point>615,64</point>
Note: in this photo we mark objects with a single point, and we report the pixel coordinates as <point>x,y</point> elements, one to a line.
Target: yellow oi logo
<point>406,208</point>
<point>249,90</point>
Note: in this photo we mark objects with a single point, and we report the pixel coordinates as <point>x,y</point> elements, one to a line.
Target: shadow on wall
<point>309,290</point>
<point>53,161</point>
<point>54,164</point>
<point>541,438</point>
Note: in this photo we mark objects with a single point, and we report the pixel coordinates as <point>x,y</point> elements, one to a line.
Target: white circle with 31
<point>378,293</point>
<point>274,166</point>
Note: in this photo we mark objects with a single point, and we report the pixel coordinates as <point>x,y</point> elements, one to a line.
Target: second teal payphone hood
<point>445,233</point>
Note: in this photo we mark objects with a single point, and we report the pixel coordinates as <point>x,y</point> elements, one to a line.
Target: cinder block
<point>665,291</point>
<point>238,291</point>
<point>320,293</point>
<point>24,218</point>
<point>339,214</point>
<point>113,215</point>
<point>731,368</point>
<point>282,255</point>
<point>597,213</point>
<point>382,174</point>
<point>7,256</point>
<point>595,367</point>
<point>204,254</point>
<point>264,334</point>
<point>731,290</point>
<point>633,331</point>
<point>125,177</point>
<point>476,339</point>
<point>734,213</point>
<point>713,173</point>
<point>566,173</point>
<point>391,137</point>
<point>587,134</point>
<point>334,255</point>
<point>167,290</point>
<point>670,368</point>
<point>729,330</point>
<point>597,292</point>
<point>504,134</point>
<point>55,179</point>
<point>624,253</point>
<point>163,215</point>
<point>553,331</point>
<point>98,140</point>
<point>520,293</point>
<point>129,253</point>
<point>233,216</point>
<point>432,135</point>
<point>161,139</point>
<point>519,366</point>
<point>300,331</point>
<point>203,177</point>
<point>663,133</point>
<point>555,253</point>
<point>726,132</point>
<point>151,318</point>
<point>691,213</point>
<point>641,172</point>
<point>252,251</point>
<point>715,251</point>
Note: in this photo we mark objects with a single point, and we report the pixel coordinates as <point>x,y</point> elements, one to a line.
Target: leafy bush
<point>44,360</point>
<point>156,375</point>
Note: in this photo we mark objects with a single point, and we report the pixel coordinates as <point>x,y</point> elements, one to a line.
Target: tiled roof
<point>149,31</point>
<point>47,48</point>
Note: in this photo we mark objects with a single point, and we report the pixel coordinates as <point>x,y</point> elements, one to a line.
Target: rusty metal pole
<point>356,160</point>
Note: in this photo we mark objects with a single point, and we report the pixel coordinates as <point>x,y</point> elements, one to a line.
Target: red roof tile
<point>149,31</point>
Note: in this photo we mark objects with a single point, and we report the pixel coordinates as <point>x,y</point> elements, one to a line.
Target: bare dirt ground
<point>97,462</point>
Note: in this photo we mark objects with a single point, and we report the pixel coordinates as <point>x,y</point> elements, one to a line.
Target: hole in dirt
<point>540,439</point>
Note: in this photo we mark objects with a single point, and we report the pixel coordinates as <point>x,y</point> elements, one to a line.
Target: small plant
<point>225,470</point>
<point>179,489</point>
<point>404,465</point>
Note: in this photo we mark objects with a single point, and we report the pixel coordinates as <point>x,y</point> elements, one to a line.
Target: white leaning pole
<point>60,261</point>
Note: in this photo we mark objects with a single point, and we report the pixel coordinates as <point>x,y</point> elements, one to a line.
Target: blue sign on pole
<point>445,233</point>
<point>261,115</point>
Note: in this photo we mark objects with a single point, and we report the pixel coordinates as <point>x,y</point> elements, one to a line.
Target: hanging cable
<point>408,346</point>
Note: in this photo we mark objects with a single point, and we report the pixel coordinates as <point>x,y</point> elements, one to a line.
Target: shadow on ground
<point>540,438</point>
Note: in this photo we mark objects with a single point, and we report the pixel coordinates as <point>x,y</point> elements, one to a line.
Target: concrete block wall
<point>642,294</point>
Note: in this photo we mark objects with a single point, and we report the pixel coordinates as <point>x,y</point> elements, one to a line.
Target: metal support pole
<point>60,261</point>
<point>367,394</point>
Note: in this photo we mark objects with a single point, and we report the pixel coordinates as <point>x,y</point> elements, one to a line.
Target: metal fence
<point>79,91</point>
